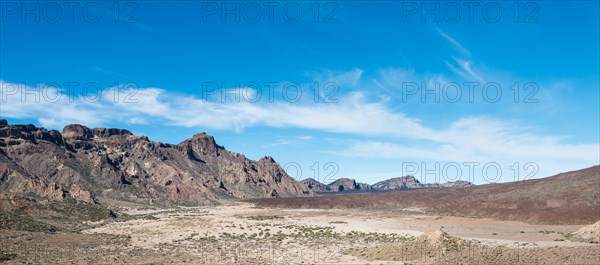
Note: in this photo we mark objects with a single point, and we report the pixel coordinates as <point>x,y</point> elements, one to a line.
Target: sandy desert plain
<point>244,233</point>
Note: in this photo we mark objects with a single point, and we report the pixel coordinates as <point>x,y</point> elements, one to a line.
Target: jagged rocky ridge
<point>90,164</point>
<point>401,183</point>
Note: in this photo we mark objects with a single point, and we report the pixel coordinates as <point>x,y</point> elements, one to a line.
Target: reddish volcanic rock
<point>84,164</point>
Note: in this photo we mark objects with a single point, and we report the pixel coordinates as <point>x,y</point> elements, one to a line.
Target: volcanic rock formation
<point>86,164</point>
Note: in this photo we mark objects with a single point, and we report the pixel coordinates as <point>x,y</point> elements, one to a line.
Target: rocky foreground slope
<point>87,164</point>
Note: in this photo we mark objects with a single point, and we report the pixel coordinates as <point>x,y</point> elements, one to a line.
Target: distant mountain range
<point>107,164</point>
<point>400,183</point>
<point>410,182</point>
<point>566,198</point>
<point>92,165</point>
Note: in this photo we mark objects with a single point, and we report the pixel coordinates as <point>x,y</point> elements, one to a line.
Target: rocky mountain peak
<point>202,144</point>
<point>314,185</point>
<point>405,182</point>
<point>346,184</point>
<point>346,181</point>
<point>266,159</point>
<point>409,178</point>
<point>76,132</point>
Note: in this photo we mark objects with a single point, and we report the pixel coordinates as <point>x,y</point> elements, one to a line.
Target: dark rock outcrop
<point>76,132</point>
<point>104,132</point>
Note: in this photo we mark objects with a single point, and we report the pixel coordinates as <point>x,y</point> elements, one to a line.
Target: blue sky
<point>362,59</point>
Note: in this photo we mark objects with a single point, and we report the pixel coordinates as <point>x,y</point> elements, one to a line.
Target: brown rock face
<point>76,132</point>
<point>86,164</point>
<point>81,194</point>
<point>104,132</point>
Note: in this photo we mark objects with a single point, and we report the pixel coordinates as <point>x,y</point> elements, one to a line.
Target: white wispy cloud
<point>463,64</point>
<point>353,114</point>
<point>281,141</point>
<point>454,43</point>
<point>464,68</point>
<point>480,138</point>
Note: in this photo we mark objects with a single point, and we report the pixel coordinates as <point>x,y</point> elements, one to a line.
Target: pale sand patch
<point>589,232</point>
